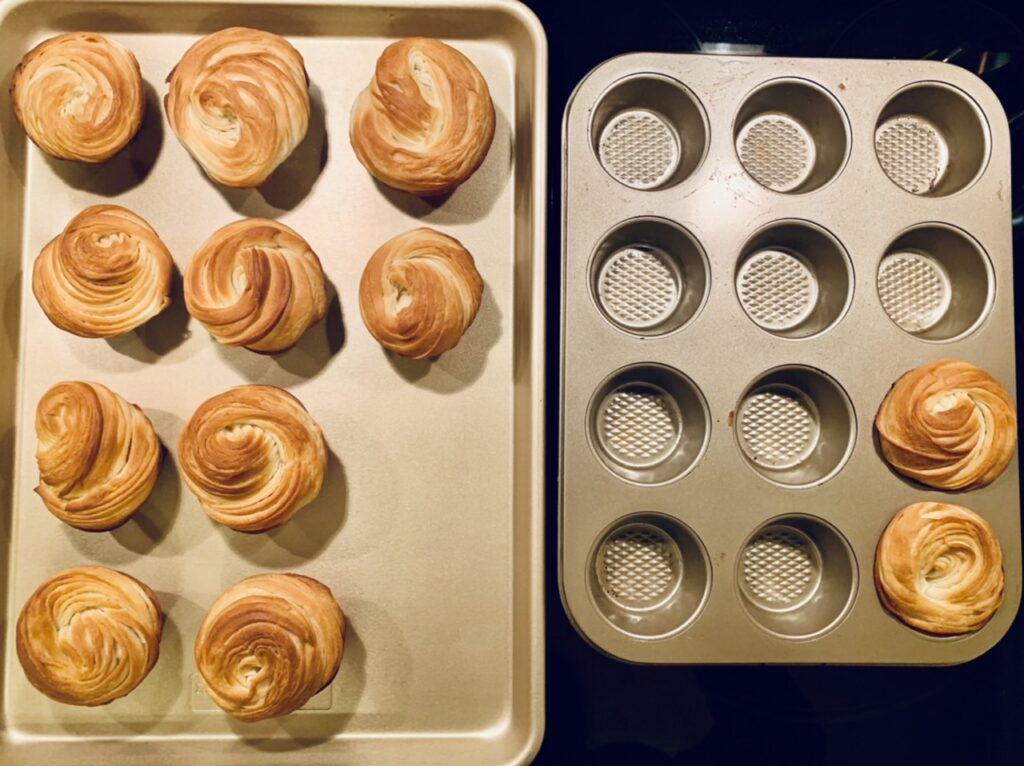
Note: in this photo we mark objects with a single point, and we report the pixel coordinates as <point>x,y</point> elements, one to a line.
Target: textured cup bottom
<point>777,150</point>
<point>648,424</point>
<point>931,139</point>
<point>781,569</point>
<point>778,427</point>
<point>649,575</point>
<point>639,148</point>
<point>640,287</point>
<point>791,136</point>
<point>649,131</point>
<point>639,566</point>
<point>795,426</point>
<point>935,282</point>
<point>639,425</point>
<point>778,289</point>
<point>912,152</point>
<point>797,576</point>
<point>649,276</point>
<point>914,290</point>
<point>794,279</point>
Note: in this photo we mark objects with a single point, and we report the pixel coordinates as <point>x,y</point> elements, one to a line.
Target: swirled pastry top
<point>79,96</point>
<point>98,455</point>
<point>239,102</point>
<point>939,568</point>
<point>426,121</point>
<point>949,425</point>
<point>419,293</point>
<point>107,273</point>
<point>256,283</point>
<point>89,635</point>
<point>270,643</point>
<point>253,456</point>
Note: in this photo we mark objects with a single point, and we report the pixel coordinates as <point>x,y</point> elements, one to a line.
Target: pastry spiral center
<point>946,401</point>
<point>116,259</point>
<point>251,456</point>
<point>216,113</point>
<point>77,88</point>
<point>421,70</point>
<point>949,557</point>
<point>948,565</point>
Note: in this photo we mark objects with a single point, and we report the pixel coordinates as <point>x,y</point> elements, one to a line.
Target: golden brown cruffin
<point>98,455</point>
<point>419,293</point>
<point>79,96</point>
<point>270,643</point>
<point>256,283</point>
<point>949,425</point>
<point>89,635</point>
<point>253,456</point>
<point>107,273</point>
<point>939,568</point>
<point>239,102</point>
<point>426,120</point>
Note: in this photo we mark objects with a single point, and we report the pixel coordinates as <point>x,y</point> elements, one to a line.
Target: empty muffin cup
<point>649,276</point>
<point>931,139</point>
<point>649,131</point>
<point>795,426</point>
<point>791,136</point>
<point>649,575</point>
<point>649,424</point>
<point>794,279</point>
<point>936,282</point>
<point>797,577</point>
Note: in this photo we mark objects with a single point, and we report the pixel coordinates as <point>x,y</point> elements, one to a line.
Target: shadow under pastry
<point>294,179</point>
<point>6,484</point>
<point>11,132</point>
<point>126,169</point>
<point>304,536</point>
<point>307,728</point>
<point>12,314</point>
<point>161,334</point>
<point>319,344</point>
<point>141,532</point>
<point>460,367</point>
<point>151,524</point>
<point>472,200</point>
<point>303,361</point>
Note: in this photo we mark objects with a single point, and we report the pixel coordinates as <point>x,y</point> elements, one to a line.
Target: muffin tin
<point>755,249</point>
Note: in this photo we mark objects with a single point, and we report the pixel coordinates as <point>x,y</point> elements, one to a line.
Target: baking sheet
<point>428,529</point>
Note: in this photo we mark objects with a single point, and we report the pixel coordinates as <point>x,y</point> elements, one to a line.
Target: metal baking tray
<point>755,249</point>
<point>429,526</point>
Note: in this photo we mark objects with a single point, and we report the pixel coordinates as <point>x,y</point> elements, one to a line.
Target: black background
<point>603,711</point>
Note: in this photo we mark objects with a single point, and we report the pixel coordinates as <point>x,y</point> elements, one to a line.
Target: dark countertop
<point>600,710</point>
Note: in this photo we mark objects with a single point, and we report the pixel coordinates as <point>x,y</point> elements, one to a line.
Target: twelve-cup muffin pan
<point>755,249</point>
